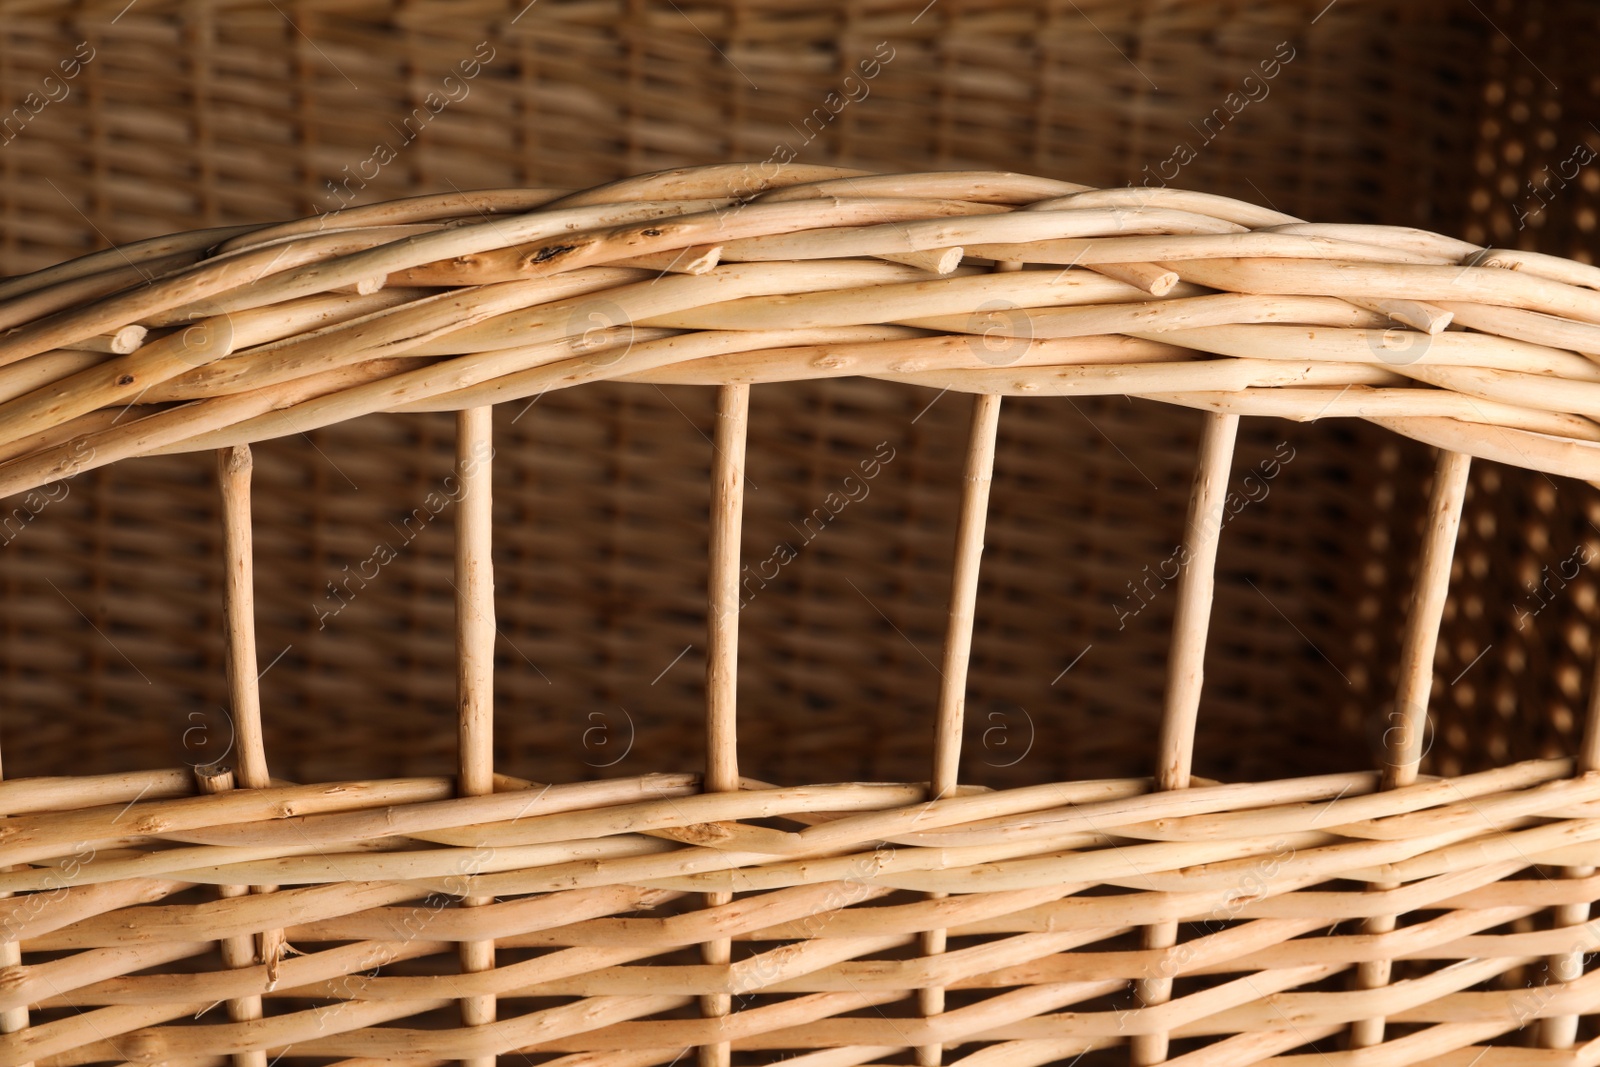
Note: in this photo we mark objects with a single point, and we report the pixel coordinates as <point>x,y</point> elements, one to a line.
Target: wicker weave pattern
<point>299,326</point>
<point>842,938</point>
<point>824,921</point>
<point>201,114</point>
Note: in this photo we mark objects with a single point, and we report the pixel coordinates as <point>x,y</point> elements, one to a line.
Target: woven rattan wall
<point>213,113</point>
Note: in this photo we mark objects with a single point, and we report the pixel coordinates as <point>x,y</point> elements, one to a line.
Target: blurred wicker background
<point>1463,117</point>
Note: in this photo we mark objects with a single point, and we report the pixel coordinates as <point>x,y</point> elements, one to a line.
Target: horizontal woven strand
<point>1517,321</point>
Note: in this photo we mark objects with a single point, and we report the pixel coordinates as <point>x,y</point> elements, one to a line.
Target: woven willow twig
<point>1329,823</point>
<point>1191,921</point>
<point>299,353</point>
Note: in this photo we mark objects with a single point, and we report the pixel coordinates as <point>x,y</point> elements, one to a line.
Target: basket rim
<point>982,282</point>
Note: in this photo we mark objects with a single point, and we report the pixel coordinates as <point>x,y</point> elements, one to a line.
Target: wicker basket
<point>116,652</point>
<point>968,283</point>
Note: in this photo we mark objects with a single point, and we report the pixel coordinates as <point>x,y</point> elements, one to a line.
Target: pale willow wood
<point>1561,1031</point>
<point>1191,624</point>
<point>724,594</point>
<point>1409,720</point>
<point>237,951</point>
<point>977,476</point>
<point>235,465</point>
<point>1170,919</point>
<point>475,633</point>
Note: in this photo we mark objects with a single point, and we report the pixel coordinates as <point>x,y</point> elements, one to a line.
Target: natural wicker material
<point>1445,114</point>
<point>1184,918</point>
<point>286,328</point>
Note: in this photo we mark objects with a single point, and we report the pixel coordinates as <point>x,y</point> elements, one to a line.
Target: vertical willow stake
<point>977,476</point>
<point>722,651</point>
<point>1561,1031</point>
<point>235,466</point>
<point>12,1019</point>
<point>1403,739</point>
<point>475,633</point>
<point>1191,625</point>
<point>1568,967</point>
<point>239,950</point>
